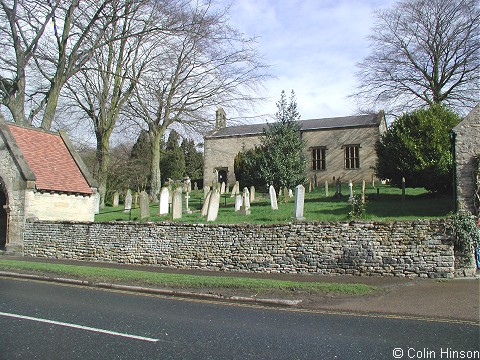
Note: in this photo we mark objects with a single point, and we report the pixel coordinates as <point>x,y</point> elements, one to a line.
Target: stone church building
<point>41,177</point>
<point>340,147</point>
<point>466,137</point>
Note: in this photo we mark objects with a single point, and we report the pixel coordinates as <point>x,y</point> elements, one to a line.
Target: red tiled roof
<point>50,160</point>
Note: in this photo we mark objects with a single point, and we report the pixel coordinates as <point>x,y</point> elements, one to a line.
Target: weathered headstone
<point>164,201</point>
<point>273,197</point>
<point>252,194</point>
<point>213,205</point>
<point>236,189</point>
<point>206,190</point>
<point>290,193</point>
<point>177,204</point>
<point>238,202</point>
<point>350,188</point>
<point>310,186</point>
<point>326,189</point>
<point>187,198</point>
<point>222,188</point>
<point>144,205</point>
<point>245,208</point>
<point>363,192</point>
<point>115,199</point>
<point>299,202</point>
<point>206,202</point>
<point>128,201</point>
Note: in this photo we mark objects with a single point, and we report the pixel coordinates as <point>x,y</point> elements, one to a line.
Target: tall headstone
<point>236,189</point>
<point>187,208</point>
<point>177,204</point>
<point>144,206</point>
<point>213,205</point>
<point>206,202</point>
<point>195,187</point>
<point>299,202</point>
<point>245,208</point>
<point>350,188</point>
<point>363,192</point>
<point>115,199</point>
<point>273,197</point>
<point>164,201</point>
<point>128,201</point>
<point>238,202</point>
<point>326,189</point>
<point>215,176</point>
<point>252,194</point>
<point>310,186</point>
<point>222,188</point>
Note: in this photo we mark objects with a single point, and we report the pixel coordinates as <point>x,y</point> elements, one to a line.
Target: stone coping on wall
<point>417,248</point>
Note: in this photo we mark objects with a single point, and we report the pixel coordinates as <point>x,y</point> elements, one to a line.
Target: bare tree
<point>208,64</point>
<point>423,52</point>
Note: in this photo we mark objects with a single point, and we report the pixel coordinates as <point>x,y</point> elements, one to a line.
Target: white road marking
<point>81,327</point>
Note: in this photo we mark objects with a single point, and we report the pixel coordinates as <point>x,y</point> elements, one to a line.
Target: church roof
<point>344,122</point>
<point>52,160</point>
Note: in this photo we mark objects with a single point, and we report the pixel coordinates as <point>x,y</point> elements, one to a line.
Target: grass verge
<point>114,275</point>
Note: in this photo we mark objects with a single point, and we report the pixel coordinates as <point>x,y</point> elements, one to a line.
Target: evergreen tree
<point>417,147</point>
<point>284,159</point>
<point>193,159</point>
<point>172,160</point>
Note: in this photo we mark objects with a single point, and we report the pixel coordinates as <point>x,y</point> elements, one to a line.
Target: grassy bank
<point>159,279</point>
<point>383,203</point>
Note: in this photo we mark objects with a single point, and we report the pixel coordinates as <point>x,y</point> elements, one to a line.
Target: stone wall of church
<point>467,148</point>
<point>335,141</point>
<point>221,152</point>
<point>402,249</point>
<point>54,206</point>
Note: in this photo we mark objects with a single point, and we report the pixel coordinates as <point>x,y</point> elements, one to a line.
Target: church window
<point>352,157</point>
<point>319,158</point>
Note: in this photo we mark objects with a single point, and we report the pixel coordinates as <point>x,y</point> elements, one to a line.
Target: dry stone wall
<point>402,249</point>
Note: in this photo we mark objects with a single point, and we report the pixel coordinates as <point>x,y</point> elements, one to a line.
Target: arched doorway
<point>3,218</point>
<point>222,175</point>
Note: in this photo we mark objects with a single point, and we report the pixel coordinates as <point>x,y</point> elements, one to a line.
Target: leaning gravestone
<point>144,205</point>
<point>164,201</point>
<point>204,211</point>
<point>128,201</point>
<point>115,199</point>
<point>299,202</point>
<point>273,197</point>
<point>177,204</point>
<point>213,205</point>
<point>236,189</point>
<point>238,202</point>
<point>206,190</point>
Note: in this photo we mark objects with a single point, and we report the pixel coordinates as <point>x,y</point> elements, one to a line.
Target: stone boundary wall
<point>402,249</point>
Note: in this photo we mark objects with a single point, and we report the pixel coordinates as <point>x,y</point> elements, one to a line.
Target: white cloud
<point>313,46</point>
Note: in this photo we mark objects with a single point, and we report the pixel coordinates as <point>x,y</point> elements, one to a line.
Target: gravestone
<point>363,192</point>
<point>213,205</point>
<point>115,199</point>
<point>290,193</point>
<point>273,197</point>
<point>238,202</point>
<point>177,204</point>
<point>128,201</point>
<point>326,188</point>
<point>350,188</point>
<point>206,190</point>
<point>206,202</point>
<point>187,198</point>
<point>310,186</point>
<point>299,202</point>
<point>195,187</point>
<point>144,206</point>
<point>252,194</point>
<point>245,208</point>
<point>236,189</point>
<point>164,201</point>
<point>215,177</point>
<point>222,188</point>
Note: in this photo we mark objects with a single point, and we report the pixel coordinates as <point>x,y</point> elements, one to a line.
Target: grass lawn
<point>387,205</point>
<point>156,278</point>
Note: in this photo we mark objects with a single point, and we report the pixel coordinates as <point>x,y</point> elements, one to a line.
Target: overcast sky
<point>312,46</point>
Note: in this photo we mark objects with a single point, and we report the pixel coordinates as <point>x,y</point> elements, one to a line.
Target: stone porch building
<point>42,177</point>
<point>467,155</point>
<point>341,147</point>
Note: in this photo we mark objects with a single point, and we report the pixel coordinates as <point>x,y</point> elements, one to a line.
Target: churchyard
<point>383,202</point>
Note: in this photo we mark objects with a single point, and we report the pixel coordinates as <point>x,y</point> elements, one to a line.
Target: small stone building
<point>42,177</point>
<point>341,147</point>
<point>466,137</point>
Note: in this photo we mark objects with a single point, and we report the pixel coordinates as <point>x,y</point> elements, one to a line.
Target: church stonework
<point>342,147</point>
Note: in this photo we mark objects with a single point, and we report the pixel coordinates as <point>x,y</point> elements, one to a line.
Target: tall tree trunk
<point>103,161</point>
<point>155,179</point>
<point>51,106</point>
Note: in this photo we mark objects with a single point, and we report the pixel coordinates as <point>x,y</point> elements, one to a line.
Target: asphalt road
<point>51,321</point>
